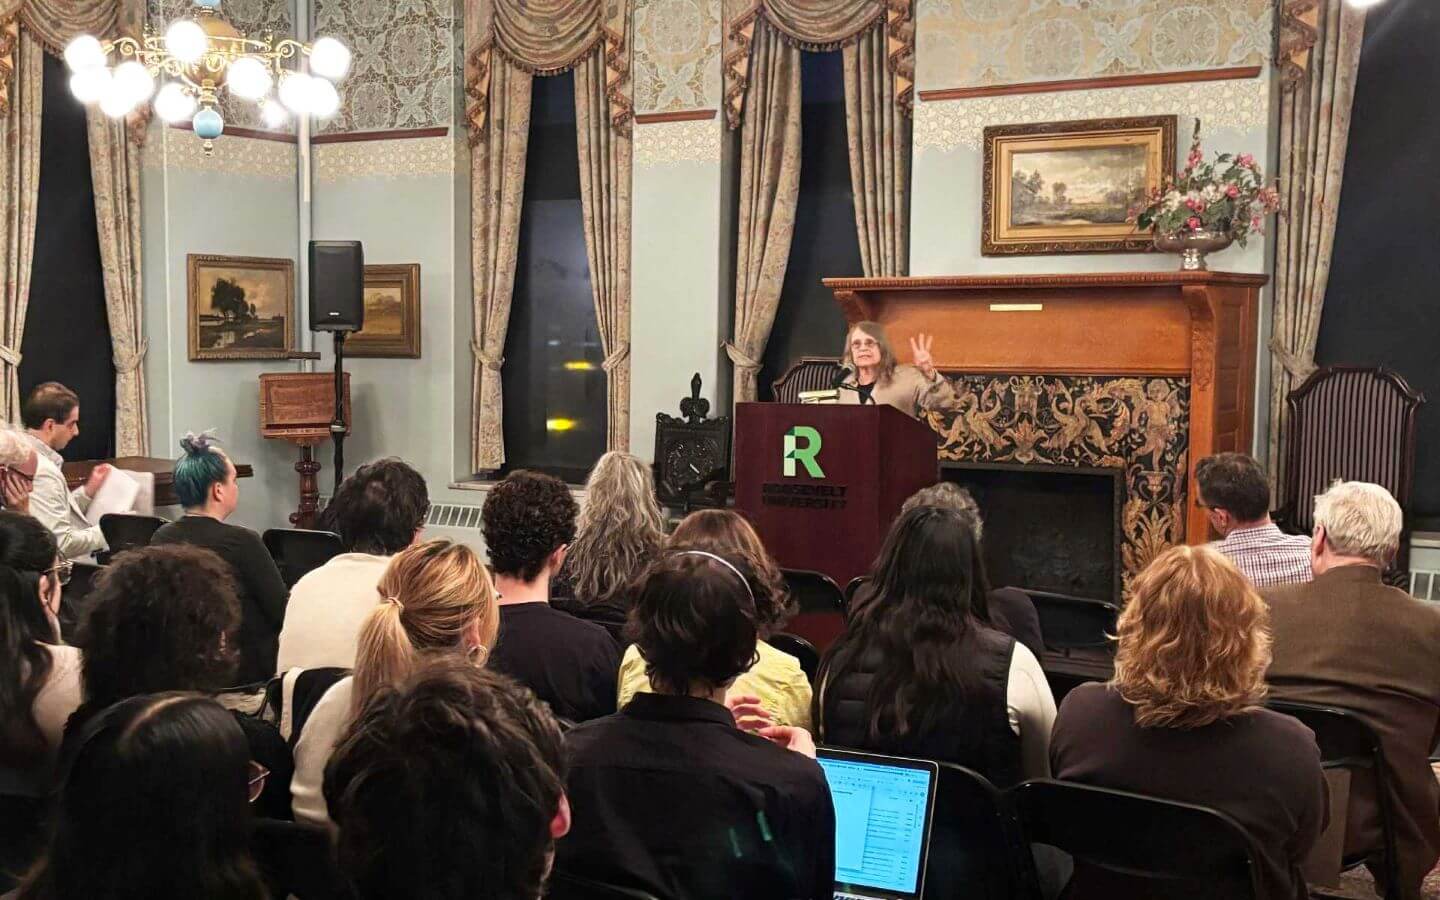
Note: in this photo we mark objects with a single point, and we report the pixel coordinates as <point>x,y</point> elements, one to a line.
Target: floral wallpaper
<point>388,160</point>
<point>662,144</point>
<point>965,43</point>
<point>677,51</point>
<point>404,62</point>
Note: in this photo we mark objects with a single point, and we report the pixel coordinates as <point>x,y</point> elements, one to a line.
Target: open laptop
<point>884,806</point>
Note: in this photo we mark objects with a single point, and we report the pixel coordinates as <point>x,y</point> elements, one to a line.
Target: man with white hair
<point>1349,640</point>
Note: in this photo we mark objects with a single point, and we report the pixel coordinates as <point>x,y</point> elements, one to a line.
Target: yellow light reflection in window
<point>560,424</point>
<point>579,365</point>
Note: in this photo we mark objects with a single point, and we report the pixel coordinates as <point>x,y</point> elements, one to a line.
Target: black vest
<point>975,733</point>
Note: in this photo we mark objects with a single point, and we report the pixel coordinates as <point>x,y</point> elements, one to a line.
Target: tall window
<point>67,336</point>
<point>825,245</point>
<point>555,403</point>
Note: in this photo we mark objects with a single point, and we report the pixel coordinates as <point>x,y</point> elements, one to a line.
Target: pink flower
<point>1255,223</point>
<point>1195,204</point>
<point>1193,223</point>
<point>1245,160</point>
<point>1232,191</point>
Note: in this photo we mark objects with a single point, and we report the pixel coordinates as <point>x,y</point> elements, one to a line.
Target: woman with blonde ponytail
<point>435,598</point>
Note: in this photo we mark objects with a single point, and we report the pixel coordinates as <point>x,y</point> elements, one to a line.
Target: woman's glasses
<point>63,570</point>
<point>256,781</point>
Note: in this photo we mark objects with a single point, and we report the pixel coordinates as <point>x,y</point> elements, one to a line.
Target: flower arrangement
<point>1227,197</point>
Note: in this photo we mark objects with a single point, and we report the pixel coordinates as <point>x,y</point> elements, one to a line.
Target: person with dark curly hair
<point>776,682</point>
<point>528,523</point>
<point>378,511</point>
<point>165,618</point>
<point>207,488</point>
<point>668,796</point>
<point>474,765</point>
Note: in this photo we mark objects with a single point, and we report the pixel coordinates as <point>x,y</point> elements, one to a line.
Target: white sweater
<point>326,611</point>
<point>328,722</point>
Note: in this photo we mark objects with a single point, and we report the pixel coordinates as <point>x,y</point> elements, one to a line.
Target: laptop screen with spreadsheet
<point>882,819</point>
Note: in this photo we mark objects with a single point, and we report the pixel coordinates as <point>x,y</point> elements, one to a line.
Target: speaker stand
<point>337,424</point>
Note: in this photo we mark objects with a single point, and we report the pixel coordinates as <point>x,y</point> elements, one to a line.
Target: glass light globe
<point>330,59</point>
<point>247,77</point>
<point>186,41</point>
<point>174,103</point>
<point>115,102</point>
<point>295,92</point>
<point>324,99</point>
<point>84,52</point>
<point>208,4</point>
<point>273,113</point>
<point>207,124</point>
<point>89,85</point>
<point>134,81</point>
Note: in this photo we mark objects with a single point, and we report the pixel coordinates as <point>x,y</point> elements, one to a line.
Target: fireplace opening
<point>1048,528</point>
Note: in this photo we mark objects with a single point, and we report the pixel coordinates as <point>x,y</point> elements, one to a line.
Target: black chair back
<point>1074,623</point>
<point>296,860</point>
<point>127,531</point>
<point>1347,741</point>
<point>1138,846</point>
<point>811,373</point>
<point>572,887</point>
<point>853,589</point>
<point>801,649</point>
<point>297,551</point>
<point>821,618</point>
<point>75,597</point>
<point>976,847</point>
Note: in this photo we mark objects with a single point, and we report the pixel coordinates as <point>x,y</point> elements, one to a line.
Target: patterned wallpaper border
<point>663,144</point>
<point>390,160</point>
<point>946,125</point>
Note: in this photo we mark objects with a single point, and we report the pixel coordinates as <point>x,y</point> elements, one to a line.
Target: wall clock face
<point>690,462</point>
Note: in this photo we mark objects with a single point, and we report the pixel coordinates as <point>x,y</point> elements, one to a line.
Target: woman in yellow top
<point>876,376</point>
<point>775,678</point>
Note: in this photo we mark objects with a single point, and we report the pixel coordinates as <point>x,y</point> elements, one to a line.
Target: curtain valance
<point>54,23</point>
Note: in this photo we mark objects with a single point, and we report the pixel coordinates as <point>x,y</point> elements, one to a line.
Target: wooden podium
<point>823,483</point>
<point>298,407</point>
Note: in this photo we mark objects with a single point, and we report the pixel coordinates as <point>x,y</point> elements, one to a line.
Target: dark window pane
<point>67,337</point>
<point>555,406</point>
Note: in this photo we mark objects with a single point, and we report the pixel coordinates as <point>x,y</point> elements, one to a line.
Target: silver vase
<point>1192,246</point>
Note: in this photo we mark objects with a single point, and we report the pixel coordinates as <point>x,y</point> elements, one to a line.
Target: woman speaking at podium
<point>871,374</point>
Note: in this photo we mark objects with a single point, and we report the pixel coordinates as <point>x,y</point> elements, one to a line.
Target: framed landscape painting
<point>240,307</point>
<point>1072,187</point>
<point>392,313</point>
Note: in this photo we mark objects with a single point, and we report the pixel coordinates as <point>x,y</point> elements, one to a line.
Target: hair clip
<point>396,601</point>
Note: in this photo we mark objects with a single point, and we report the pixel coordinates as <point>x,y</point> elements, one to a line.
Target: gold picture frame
<point>1084,178</point>
<point>392,313</point>
<point>239,307</point>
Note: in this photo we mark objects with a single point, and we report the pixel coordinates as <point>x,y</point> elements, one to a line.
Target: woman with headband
<point>435,598</point>
<point>668,796</point>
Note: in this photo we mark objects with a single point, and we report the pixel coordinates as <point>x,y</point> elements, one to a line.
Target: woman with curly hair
<point>1182,718</point>
<point>775,681</point>
<point>620,530</point>
<point>165,619</point>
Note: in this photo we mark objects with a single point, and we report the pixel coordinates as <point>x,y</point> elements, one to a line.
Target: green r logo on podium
<point>802,445</point>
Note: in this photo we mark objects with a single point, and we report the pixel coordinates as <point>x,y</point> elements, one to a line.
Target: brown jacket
<point>909,391</point>
<point>1348,640</point>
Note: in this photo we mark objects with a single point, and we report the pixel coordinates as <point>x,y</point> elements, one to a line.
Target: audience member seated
<point>450,788</point>
<point>620,530</point>
<point>1348,640</point>
<point>207,488</point>
<point>51,415</point>
<point>1009,609</point>
<point>165,619</point>
<point>1181,719</point>
<point>154,804</point>
<point>775,682</point>
<point>1236,495</point>
<point>528,523</point>
<point>668,796</point>
<point>437,598</point>
<point>918,673</point>
<point>378,511</point>
<point>18,463</point>
<point>39,676</point>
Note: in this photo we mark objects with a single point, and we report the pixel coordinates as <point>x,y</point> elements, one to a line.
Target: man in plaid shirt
<point>1234,491</point>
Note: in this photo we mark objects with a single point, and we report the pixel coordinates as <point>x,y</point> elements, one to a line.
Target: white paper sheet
<point>117,495</point>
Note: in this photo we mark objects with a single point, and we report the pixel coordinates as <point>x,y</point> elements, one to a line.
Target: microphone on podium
<point>843,373</point>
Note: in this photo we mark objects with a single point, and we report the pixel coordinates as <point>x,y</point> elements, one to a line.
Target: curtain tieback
<point>741,359</point>
<point>488,360</point>
<point>619,356</point>
<point>1298,369</point>
<point>126,362</point>
<point>8,356</point>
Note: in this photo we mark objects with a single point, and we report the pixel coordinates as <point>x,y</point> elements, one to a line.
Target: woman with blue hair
<point>207,488</point>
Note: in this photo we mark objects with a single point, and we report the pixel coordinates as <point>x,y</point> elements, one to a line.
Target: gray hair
<point>15,450</point>
<point>1360,519</point>
<point>951,496</point>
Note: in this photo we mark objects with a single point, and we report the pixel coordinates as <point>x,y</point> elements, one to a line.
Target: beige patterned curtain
<point>879,139</point>
<point>1320,59</point>
<point>20,169</point>
<point>769,187</point>
<point>115,172</point>
<point>605,170</point>
<point>497,185</point>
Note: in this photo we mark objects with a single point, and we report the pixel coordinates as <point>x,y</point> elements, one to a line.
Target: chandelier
<point>194,59</point>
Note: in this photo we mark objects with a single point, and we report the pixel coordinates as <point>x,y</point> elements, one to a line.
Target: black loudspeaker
<point>337,283</point>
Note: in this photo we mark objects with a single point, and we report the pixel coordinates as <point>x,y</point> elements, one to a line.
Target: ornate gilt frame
<point>998,238</point>
<point>193,263</point>
<point>406,278</point>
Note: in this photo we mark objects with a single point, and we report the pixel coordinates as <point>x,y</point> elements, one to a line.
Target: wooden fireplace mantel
<point>1199,325</point>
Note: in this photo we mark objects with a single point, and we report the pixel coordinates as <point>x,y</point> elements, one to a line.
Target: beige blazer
<point>909,391</point>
